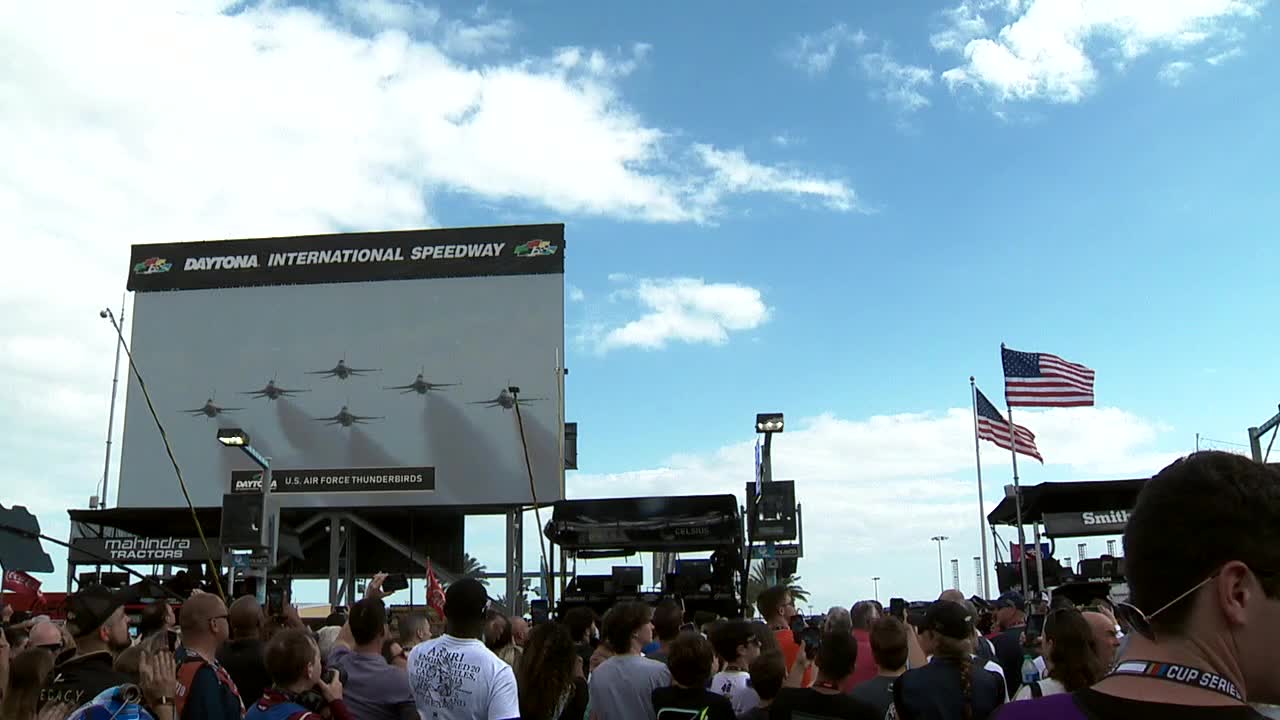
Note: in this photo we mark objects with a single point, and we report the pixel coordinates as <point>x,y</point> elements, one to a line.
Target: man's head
<point>45,635</point>
<point>667,619</point>
<point>735,642</point>
<point>497,630</point>
<point>628,627</point>
<point>945,624</point>
<point>414,629</point>
<point>768,672</point>
<point>837,620</point>
<point>864,614</point>
<point>1010,609</point>
<point>579,620</point>
<point>1202,559</point>
<point>246,618</point>
<point>889,644</point>
<point>96,619</point>
<point>464,604</point>
<point>776,604</point>
<point>519,631</point>
<point>368,623</point>
<point>292,660</point>
<point>952,595</point>
<point>205,621</point>
<point>689,660</point>
<point>156,617</point>
<point>837,656</point>
<point>1104,636</point>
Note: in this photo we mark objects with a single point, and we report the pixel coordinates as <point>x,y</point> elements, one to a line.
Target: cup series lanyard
<point>1181,674</point>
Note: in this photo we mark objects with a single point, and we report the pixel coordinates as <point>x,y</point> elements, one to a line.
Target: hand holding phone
<point>898,608</point>
<point>394,582</point>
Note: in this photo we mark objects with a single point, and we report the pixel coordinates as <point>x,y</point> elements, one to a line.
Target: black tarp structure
<point>647,524</point>
<point>433,533</point>
<point>1068,497</point>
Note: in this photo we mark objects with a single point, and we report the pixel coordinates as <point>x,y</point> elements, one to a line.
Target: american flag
<point>1044,380</point>
<point>992,426</point>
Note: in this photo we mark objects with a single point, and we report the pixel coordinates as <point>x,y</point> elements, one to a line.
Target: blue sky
<point>838,212</point>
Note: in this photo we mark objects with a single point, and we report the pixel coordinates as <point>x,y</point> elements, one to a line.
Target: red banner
<point>21,583</point>
<point>435,591</point>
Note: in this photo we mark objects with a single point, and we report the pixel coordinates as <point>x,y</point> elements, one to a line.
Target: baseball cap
<point>1012,599</point>
<point>90,607</point>
<point>948,619</point>
<point>465,600</point>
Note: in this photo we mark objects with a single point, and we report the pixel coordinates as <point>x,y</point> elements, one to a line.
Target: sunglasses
<point>1131,615</point>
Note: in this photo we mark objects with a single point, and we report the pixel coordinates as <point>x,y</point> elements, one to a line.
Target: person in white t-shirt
<point>737,646</point>
<point>454,676</point>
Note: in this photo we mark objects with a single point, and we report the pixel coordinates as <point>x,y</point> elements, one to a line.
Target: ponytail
<point>961,652</point>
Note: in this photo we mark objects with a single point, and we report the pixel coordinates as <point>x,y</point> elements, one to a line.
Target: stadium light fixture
<point>767,423</point>
<point>233,437</point>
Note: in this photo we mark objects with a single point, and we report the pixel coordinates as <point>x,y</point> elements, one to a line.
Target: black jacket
<point>934,692</point>
<point>81,679</point>
<point>245,661</point>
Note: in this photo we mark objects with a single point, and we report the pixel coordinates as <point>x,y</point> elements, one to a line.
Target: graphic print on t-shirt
<point>445,678</point>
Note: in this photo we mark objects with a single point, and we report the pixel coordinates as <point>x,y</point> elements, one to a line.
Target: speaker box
<point>241,520</point>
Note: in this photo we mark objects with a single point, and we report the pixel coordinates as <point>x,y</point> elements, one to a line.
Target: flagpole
<point>1017,490</point>
<point>982,510</point>
<point>1018,500</point>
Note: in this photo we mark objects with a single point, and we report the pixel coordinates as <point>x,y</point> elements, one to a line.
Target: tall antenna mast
<point>111,414</point>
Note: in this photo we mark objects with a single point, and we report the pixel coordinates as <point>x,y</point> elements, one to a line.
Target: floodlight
<point>768,422</point>
<point>233,437</point>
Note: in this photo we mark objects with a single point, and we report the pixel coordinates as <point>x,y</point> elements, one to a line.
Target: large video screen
<point>372,368</point>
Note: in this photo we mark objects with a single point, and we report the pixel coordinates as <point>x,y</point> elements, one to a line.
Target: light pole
<point>767,424</point>
<point>941,582</point>
<point>876,580</point>
<point>237,438</point>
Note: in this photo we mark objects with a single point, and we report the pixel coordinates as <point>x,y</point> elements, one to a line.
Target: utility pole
<point>876,580</point>
<point>941,581</point>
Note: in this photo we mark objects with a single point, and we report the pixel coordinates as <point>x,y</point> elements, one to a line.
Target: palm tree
<point>473,568</point>
<point>757,584</point>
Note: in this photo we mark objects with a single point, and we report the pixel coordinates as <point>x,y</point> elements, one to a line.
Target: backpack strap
<point>1036,690</point>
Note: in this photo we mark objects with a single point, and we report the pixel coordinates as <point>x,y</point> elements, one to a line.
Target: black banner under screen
<point>1084,524</point>
<point>349,257</point>
<point>397,479</point>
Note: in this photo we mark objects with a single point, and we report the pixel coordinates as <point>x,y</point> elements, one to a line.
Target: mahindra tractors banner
<point>1085,524</point>
<point>378,366</point>
<point>125,551</point>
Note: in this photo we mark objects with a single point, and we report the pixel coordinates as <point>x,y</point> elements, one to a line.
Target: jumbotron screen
<point>373,369</point>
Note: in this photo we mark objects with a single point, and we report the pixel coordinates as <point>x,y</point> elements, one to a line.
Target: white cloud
<point>477,36</point>
<point>815,53</point>
<point>576,294</point>
<point>1045,52</point>
<point>1172,72</point>
<point>899,84</point>
<point>1219,58</point>
<point>733,173</point>
<point>598,64</point>
<point>875,489</point>
<point>681,310</point>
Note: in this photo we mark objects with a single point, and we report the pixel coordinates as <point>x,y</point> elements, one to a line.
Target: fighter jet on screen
<point>342,370</point>
<point>272,391</point>
<point>210,410</point>
<point>346,419</point>
<point>419,385</point>
<point>505,400</point>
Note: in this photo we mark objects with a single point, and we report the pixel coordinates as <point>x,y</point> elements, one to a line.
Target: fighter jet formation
<point>273,391</point>
<point>505,399</point>
<point>346,419</point>
<point>342,370</point>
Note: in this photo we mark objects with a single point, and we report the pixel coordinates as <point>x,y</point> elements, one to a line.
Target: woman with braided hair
<point>954,685</point>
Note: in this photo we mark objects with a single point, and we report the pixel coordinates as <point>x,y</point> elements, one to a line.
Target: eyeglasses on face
<point>1134,617</point>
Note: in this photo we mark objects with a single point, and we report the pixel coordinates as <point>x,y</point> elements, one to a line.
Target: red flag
<point>23,584</point>
<point>435,591</point>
